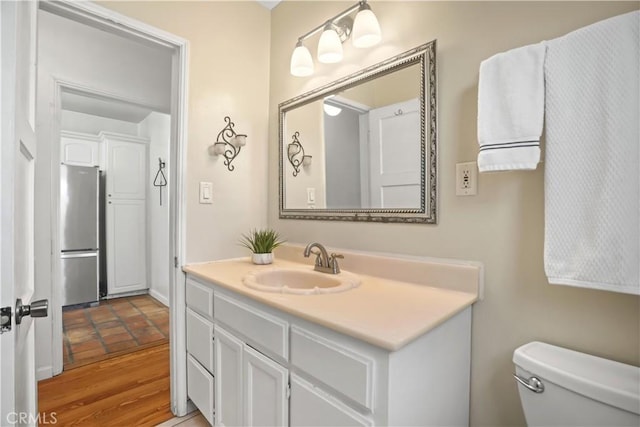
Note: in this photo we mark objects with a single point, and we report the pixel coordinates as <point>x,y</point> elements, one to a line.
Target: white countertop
<point>381,311</point>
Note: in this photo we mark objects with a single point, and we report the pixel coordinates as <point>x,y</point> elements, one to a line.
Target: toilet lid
<point>601,379</point>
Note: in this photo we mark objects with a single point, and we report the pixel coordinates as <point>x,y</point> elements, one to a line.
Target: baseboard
<point>157,295</point>
<point>44,373</point>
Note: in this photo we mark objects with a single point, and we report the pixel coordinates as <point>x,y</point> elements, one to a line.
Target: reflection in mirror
<point>372,138</point>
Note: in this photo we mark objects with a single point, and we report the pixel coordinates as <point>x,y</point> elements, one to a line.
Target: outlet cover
<point>466,179</point>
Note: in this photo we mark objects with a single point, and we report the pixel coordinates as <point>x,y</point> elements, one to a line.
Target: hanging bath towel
<point>511,109</point>
<point>592,173</point>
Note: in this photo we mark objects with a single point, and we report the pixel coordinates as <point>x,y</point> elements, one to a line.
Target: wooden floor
<point>128,390</point>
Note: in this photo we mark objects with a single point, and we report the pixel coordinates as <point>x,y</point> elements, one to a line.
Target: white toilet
<point>560,387</point>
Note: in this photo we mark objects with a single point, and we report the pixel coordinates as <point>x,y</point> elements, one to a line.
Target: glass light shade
<point>301,61</point>
<point>306,160</point>
<point>329,47</point>
<point>218,148</point>
<point>239,140</point>
<point>366,29</point>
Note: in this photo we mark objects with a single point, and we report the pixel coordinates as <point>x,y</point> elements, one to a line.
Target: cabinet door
<point>265,391</point>
<point>311,406</point>
<point>79,152</point>
<point>126,246</point>
<point>228,378</point>
<point>126,170</point>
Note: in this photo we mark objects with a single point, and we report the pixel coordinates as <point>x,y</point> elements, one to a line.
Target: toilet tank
<point>579,389</point>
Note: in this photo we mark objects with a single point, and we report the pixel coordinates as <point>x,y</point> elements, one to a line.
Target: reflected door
<point>395,158</point>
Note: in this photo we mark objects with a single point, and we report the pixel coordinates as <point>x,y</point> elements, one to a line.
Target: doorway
<point>54,88</point>
<point>115,276</point>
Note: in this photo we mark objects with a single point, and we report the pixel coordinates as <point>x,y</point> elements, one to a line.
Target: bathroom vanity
<point>393,350</point>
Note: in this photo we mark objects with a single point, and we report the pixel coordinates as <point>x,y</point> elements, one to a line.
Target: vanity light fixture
<point>296,156</point>
<point>228,143</point>
<point>364,32</point>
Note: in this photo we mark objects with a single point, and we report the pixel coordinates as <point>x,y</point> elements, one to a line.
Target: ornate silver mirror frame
<point>425,57</point>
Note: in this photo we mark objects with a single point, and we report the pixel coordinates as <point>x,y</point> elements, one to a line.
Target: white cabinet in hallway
<point>126,246</point>
<point>79,149</point>
<point>126,165</point>
<point>126,214</point>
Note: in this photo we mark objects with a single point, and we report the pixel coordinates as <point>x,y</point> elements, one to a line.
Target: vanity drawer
<point>267,332</point>
<point>340,368</point>
<point>200,339</point>
<point>200,388</point>
<point>200,298</point>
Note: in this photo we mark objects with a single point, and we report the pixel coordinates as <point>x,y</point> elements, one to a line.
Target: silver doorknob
<point>38,308</point>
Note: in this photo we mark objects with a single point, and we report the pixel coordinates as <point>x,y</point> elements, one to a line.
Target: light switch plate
<point>311,195</point>
<point>206,192</point>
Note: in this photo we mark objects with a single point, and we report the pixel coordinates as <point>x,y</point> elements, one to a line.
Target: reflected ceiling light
<point>365,31</point>
<point>301,61</point>
<point>332,110</point>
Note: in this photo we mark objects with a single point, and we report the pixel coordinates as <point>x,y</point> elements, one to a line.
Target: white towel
<point>511,109</point>
<point>592,174</point>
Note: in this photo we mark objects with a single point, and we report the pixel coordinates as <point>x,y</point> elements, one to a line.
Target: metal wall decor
<point>228,143</point>
<point>295,153</point>
<point>160,180</point>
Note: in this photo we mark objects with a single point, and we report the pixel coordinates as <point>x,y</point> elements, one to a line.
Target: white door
<point>265,391</point>
<point>395,162</point>
<point>126,246</point>
<point>18,393</point>
<point>228,378</point>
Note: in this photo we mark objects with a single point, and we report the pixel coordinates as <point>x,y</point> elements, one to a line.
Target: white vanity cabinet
<point>251,389</point>
<point>200,351</point>
<point>274,368</point>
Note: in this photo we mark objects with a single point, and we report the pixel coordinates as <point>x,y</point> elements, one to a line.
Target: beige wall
<point>503,225</point>
<point>228,75</point>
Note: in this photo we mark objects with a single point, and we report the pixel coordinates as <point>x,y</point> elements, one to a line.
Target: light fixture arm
<point>332,20</point>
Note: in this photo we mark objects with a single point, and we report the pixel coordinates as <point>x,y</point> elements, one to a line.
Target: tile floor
<point>115,326</point>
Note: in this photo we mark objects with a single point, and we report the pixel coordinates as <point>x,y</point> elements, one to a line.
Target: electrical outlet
<point>466,179</point>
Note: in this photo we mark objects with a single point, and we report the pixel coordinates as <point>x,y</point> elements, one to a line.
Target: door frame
<point>114,22</point>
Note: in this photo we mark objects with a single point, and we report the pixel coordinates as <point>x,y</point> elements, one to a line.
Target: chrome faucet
<point>325,263</point>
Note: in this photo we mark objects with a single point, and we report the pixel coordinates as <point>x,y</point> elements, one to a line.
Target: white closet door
<point>126,170</point>
<point>126,246</point>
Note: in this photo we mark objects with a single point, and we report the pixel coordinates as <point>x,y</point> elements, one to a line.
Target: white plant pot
<point>262,259</point>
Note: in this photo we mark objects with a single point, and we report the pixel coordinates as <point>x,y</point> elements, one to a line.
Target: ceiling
<point>103,107</point>
<point>269,4</point>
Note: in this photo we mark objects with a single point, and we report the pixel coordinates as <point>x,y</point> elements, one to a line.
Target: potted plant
<point>261,243</point>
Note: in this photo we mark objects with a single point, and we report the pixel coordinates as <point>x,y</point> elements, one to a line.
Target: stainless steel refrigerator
<point>79,215</point>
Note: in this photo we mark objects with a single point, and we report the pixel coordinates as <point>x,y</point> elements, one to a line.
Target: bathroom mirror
<point>363,148</point>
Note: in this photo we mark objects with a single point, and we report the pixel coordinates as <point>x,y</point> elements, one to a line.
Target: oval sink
<point>299,281</point>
